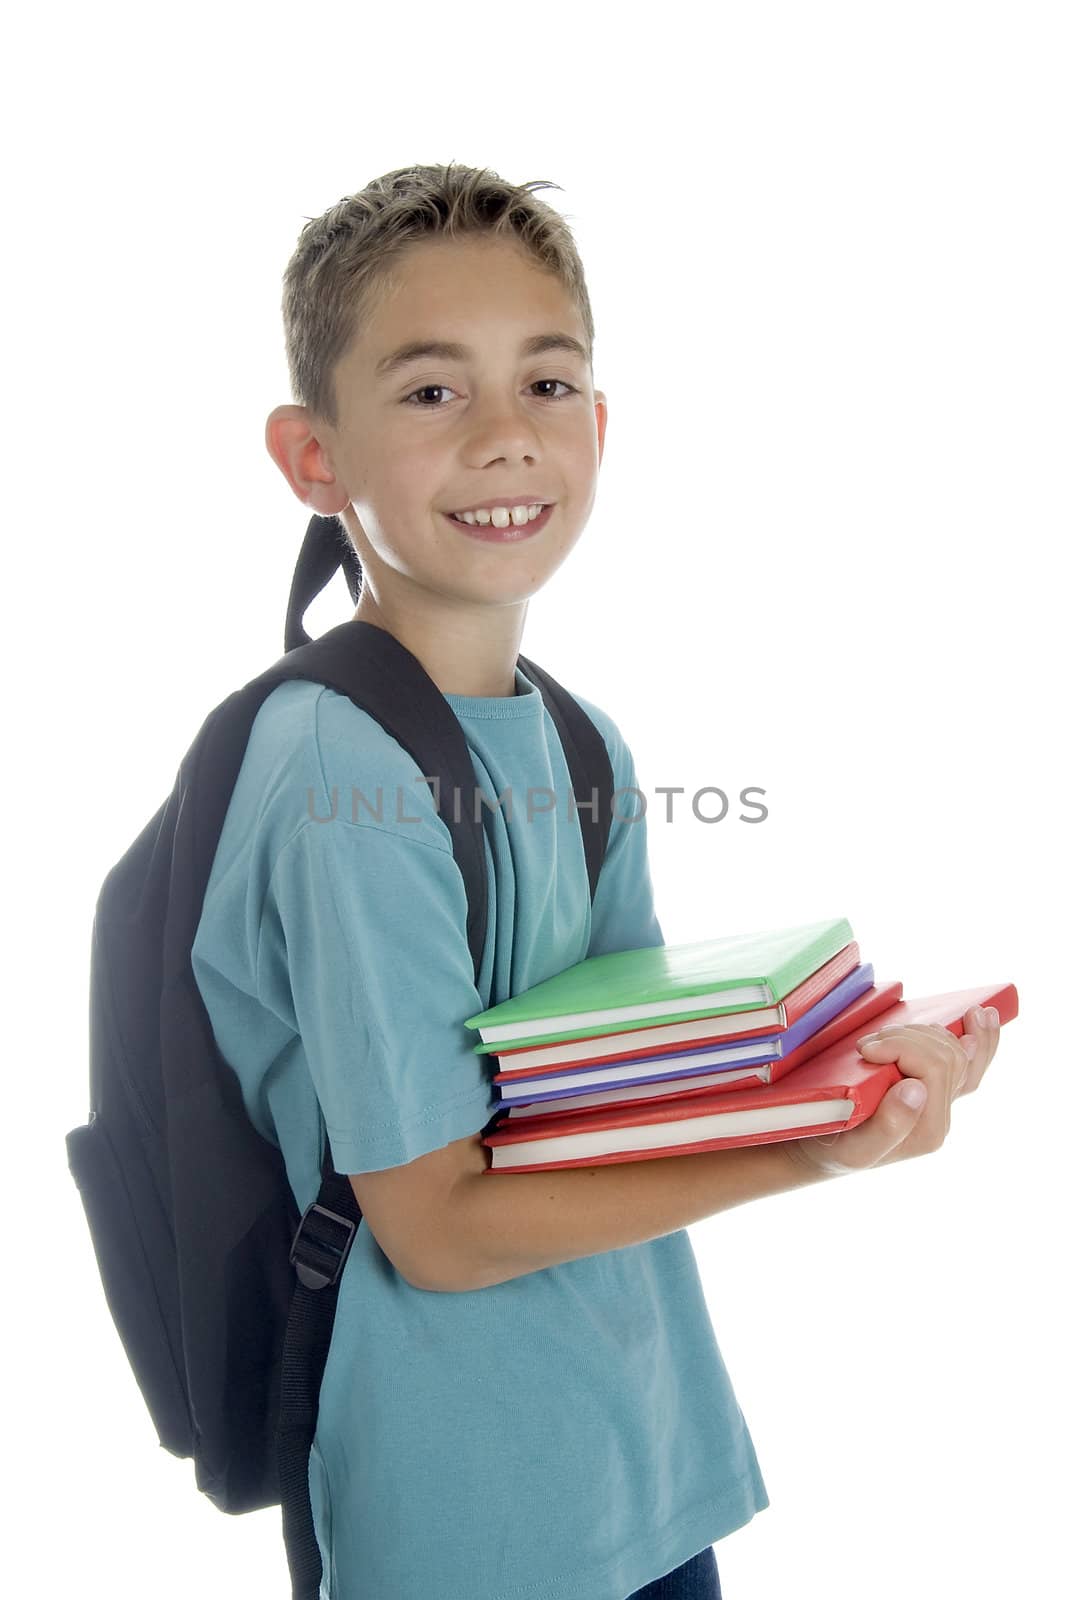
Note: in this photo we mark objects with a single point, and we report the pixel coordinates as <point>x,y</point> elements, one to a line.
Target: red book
<point>835,1089</point>
<point>663,1038</point>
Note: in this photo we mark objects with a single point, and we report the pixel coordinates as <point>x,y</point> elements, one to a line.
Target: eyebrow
<point>444,350</point>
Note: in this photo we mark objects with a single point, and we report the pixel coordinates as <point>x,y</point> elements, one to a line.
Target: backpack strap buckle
<point>320,1246</point>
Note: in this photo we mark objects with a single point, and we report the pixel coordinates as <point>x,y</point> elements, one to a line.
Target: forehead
<point>457,289</point>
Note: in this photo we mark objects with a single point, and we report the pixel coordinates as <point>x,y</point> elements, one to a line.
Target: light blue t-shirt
<point>571,1434</point>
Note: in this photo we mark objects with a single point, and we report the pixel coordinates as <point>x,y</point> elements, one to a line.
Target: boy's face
<point>442,433</point>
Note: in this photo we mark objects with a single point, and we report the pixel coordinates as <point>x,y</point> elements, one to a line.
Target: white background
<point>825,247</point>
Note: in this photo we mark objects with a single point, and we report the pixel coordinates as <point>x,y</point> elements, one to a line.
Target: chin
<point>514,593</point>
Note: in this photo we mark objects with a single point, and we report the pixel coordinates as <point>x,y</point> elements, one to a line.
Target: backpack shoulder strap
<point>385,679</point>
<point>592,775</point>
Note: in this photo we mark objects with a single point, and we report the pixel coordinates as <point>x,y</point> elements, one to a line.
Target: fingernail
<point>865,1038</point>
<point>913,1093</point>
<point>992,1016</point>
<point>969,1043</point>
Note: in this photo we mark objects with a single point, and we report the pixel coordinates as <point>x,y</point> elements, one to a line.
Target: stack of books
<point>681,1048</point>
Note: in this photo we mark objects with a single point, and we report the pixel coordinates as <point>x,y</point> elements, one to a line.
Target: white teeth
<point>501,516</point>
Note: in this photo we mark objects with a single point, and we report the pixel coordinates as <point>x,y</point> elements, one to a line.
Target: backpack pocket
<point>134,1249</point>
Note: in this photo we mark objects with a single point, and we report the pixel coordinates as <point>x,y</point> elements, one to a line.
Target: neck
<point>463,652</point>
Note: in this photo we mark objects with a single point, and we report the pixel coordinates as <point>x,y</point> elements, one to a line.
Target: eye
<point>426,387</point>
<point>568,386</point>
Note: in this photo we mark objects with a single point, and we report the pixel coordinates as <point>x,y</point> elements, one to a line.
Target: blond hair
<point>343,258</point>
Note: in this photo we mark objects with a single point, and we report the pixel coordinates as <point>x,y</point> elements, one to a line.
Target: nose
<point>501,424</point>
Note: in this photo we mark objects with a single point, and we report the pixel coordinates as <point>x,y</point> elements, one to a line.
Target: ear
<point>600,403</point>
<point>302,459</point>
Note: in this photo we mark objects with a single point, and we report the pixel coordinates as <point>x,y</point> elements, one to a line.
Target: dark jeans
<point>694,1580</point>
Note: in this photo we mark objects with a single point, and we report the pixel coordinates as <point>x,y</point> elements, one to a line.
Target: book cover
<point>632,988</point>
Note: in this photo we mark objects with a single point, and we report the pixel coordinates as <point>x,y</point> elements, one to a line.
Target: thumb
<point>883,1133</point>
<point>911,1093</point>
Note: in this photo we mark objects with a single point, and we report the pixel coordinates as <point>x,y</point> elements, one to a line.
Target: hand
<point>924,1053</point>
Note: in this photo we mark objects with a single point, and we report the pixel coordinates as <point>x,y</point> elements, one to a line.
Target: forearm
<point>506,1225</point>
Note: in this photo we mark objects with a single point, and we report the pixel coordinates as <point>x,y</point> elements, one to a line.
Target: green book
<point>666,983</point>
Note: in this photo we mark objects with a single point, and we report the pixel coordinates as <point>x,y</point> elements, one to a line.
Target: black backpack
<point>223,1295</point>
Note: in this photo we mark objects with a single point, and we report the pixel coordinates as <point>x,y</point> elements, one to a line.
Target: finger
<point>921,1044</point>
<point>914,1032</point>
<point>964,1051</point>
<point>972,1044</point>
<point>907,1029</point>
<point>967,1078</point>
<point>988,1033</point>
<point>953,1049</point>
<point>980,1040</point>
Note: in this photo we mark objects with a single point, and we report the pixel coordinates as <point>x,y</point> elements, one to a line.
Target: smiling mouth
<point>510,533</point>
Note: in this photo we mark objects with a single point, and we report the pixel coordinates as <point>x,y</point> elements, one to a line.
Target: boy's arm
<point>504,1226</point>
<point>501,1227</point>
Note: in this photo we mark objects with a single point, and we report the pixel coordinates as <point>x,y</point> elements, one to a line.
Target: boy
<point>524,1397</point>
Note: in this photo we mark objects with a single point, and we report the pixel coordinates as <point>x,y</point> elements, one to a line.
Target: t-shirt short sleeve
<point>363,950</point>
